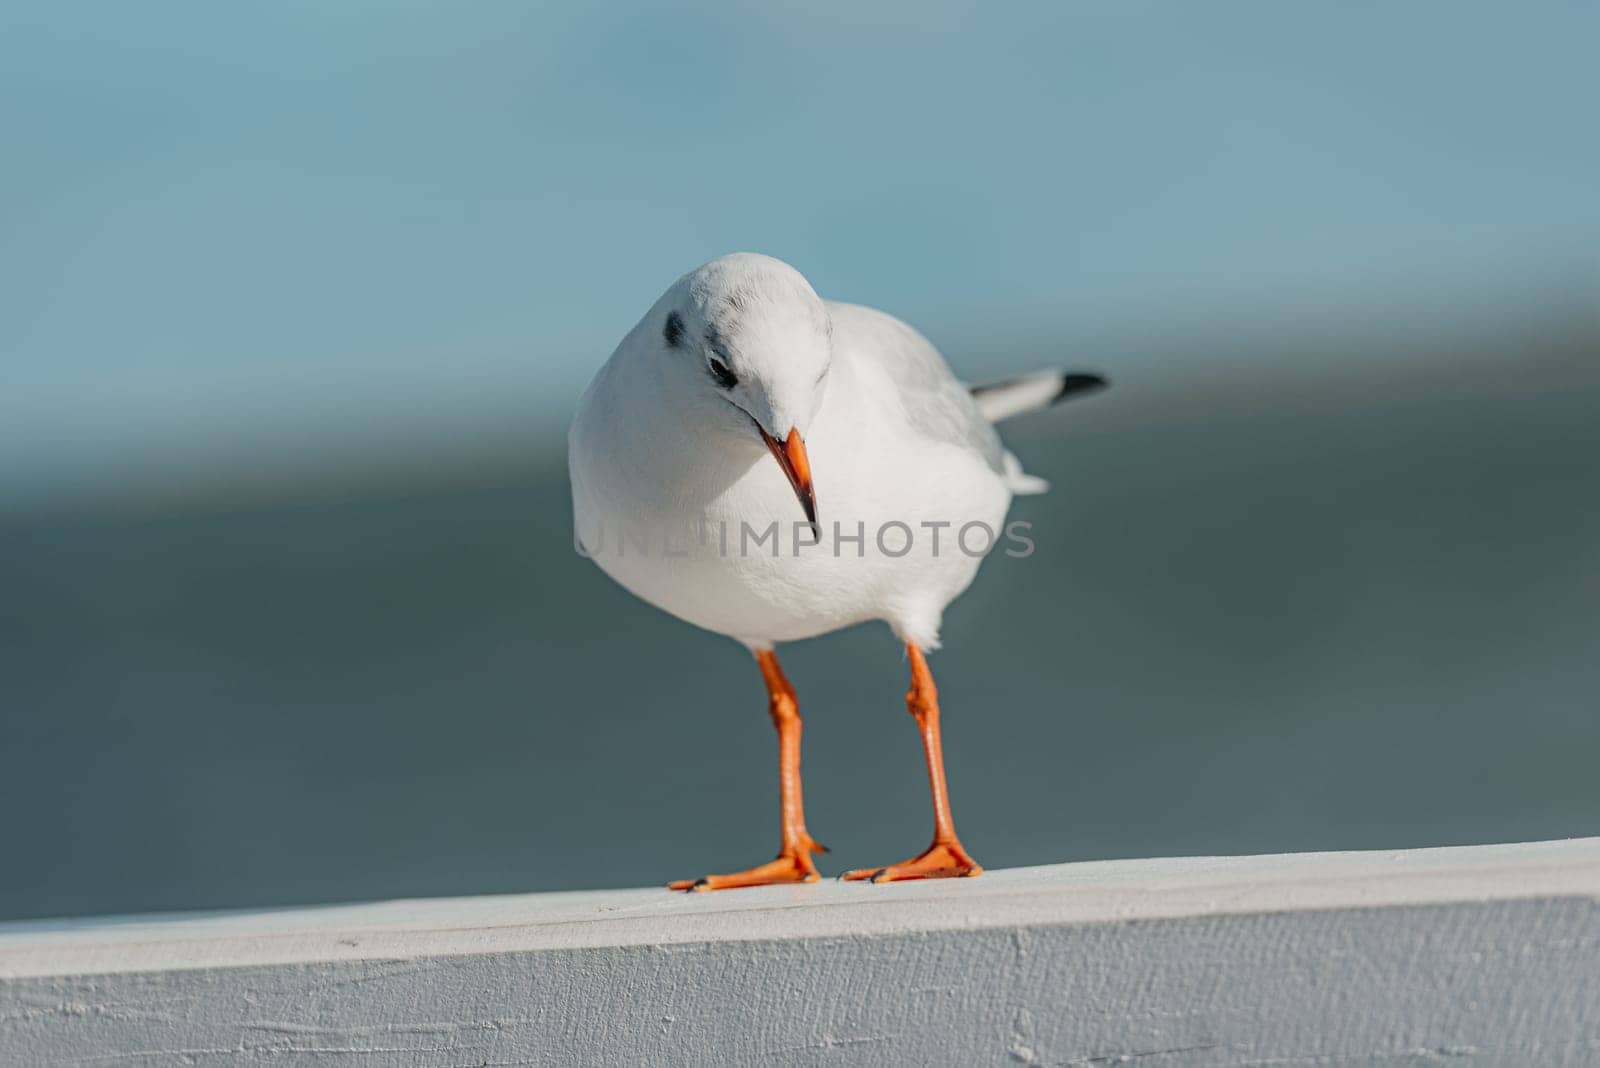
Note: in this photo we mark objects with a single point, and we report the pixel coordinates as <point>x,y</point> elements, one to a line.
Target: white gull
<point>772,466</point>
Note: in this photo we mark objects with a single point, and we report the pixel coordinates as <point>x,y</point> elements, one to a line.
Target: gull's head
<point>750,343</point>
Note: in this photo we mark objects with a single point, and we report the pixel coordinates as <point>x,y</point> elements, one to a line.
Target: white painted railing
<point>1490,954</point>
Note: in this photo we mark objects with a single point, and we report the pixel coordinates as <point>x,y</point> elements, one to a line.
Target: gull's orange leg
<point>945,858</point>
<point>793,863</point>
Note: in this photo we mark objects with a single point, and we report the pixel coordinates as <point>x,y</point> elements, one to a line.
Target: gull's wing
<point>936,403</point>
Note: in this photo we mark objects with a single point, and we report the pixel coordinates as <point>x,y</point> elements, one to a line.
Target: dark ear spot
<point>673,331</point>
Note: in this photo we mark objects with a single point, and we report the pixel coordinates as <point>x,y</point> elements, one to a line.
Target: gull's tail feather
<point>1019,481</point>
<point>1030,392</point>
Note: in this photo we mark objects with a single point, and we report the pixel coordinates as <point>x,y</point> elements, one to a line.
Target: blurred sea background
<point>295,302</point>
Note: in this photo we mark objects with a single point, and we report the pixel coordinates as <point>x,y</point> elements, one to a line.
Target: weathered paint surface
<point>1487,955</point>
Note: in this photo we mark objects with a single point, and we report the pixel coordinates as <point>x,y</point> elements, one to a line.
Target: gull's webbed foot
<point>942,860</point>
<point>791,866</point>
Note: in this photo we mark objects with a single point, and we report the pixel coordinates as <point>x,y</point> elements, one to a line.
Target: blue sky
<point>225,228</point>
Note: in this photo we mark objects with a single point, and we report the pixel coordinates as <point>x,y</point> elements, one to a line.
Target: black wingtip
<point>1078,382</point>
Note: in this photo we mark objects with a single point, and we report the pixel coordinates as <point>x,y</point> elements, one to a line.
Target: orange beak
<point>791,456</point>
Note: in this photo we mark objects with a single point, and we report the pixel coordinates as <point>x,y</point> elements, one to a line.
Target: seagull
<point>772,466</point>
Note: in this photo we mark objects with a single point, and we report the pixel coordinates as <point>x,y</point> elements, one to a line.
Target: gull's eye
<point>721,372</point>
